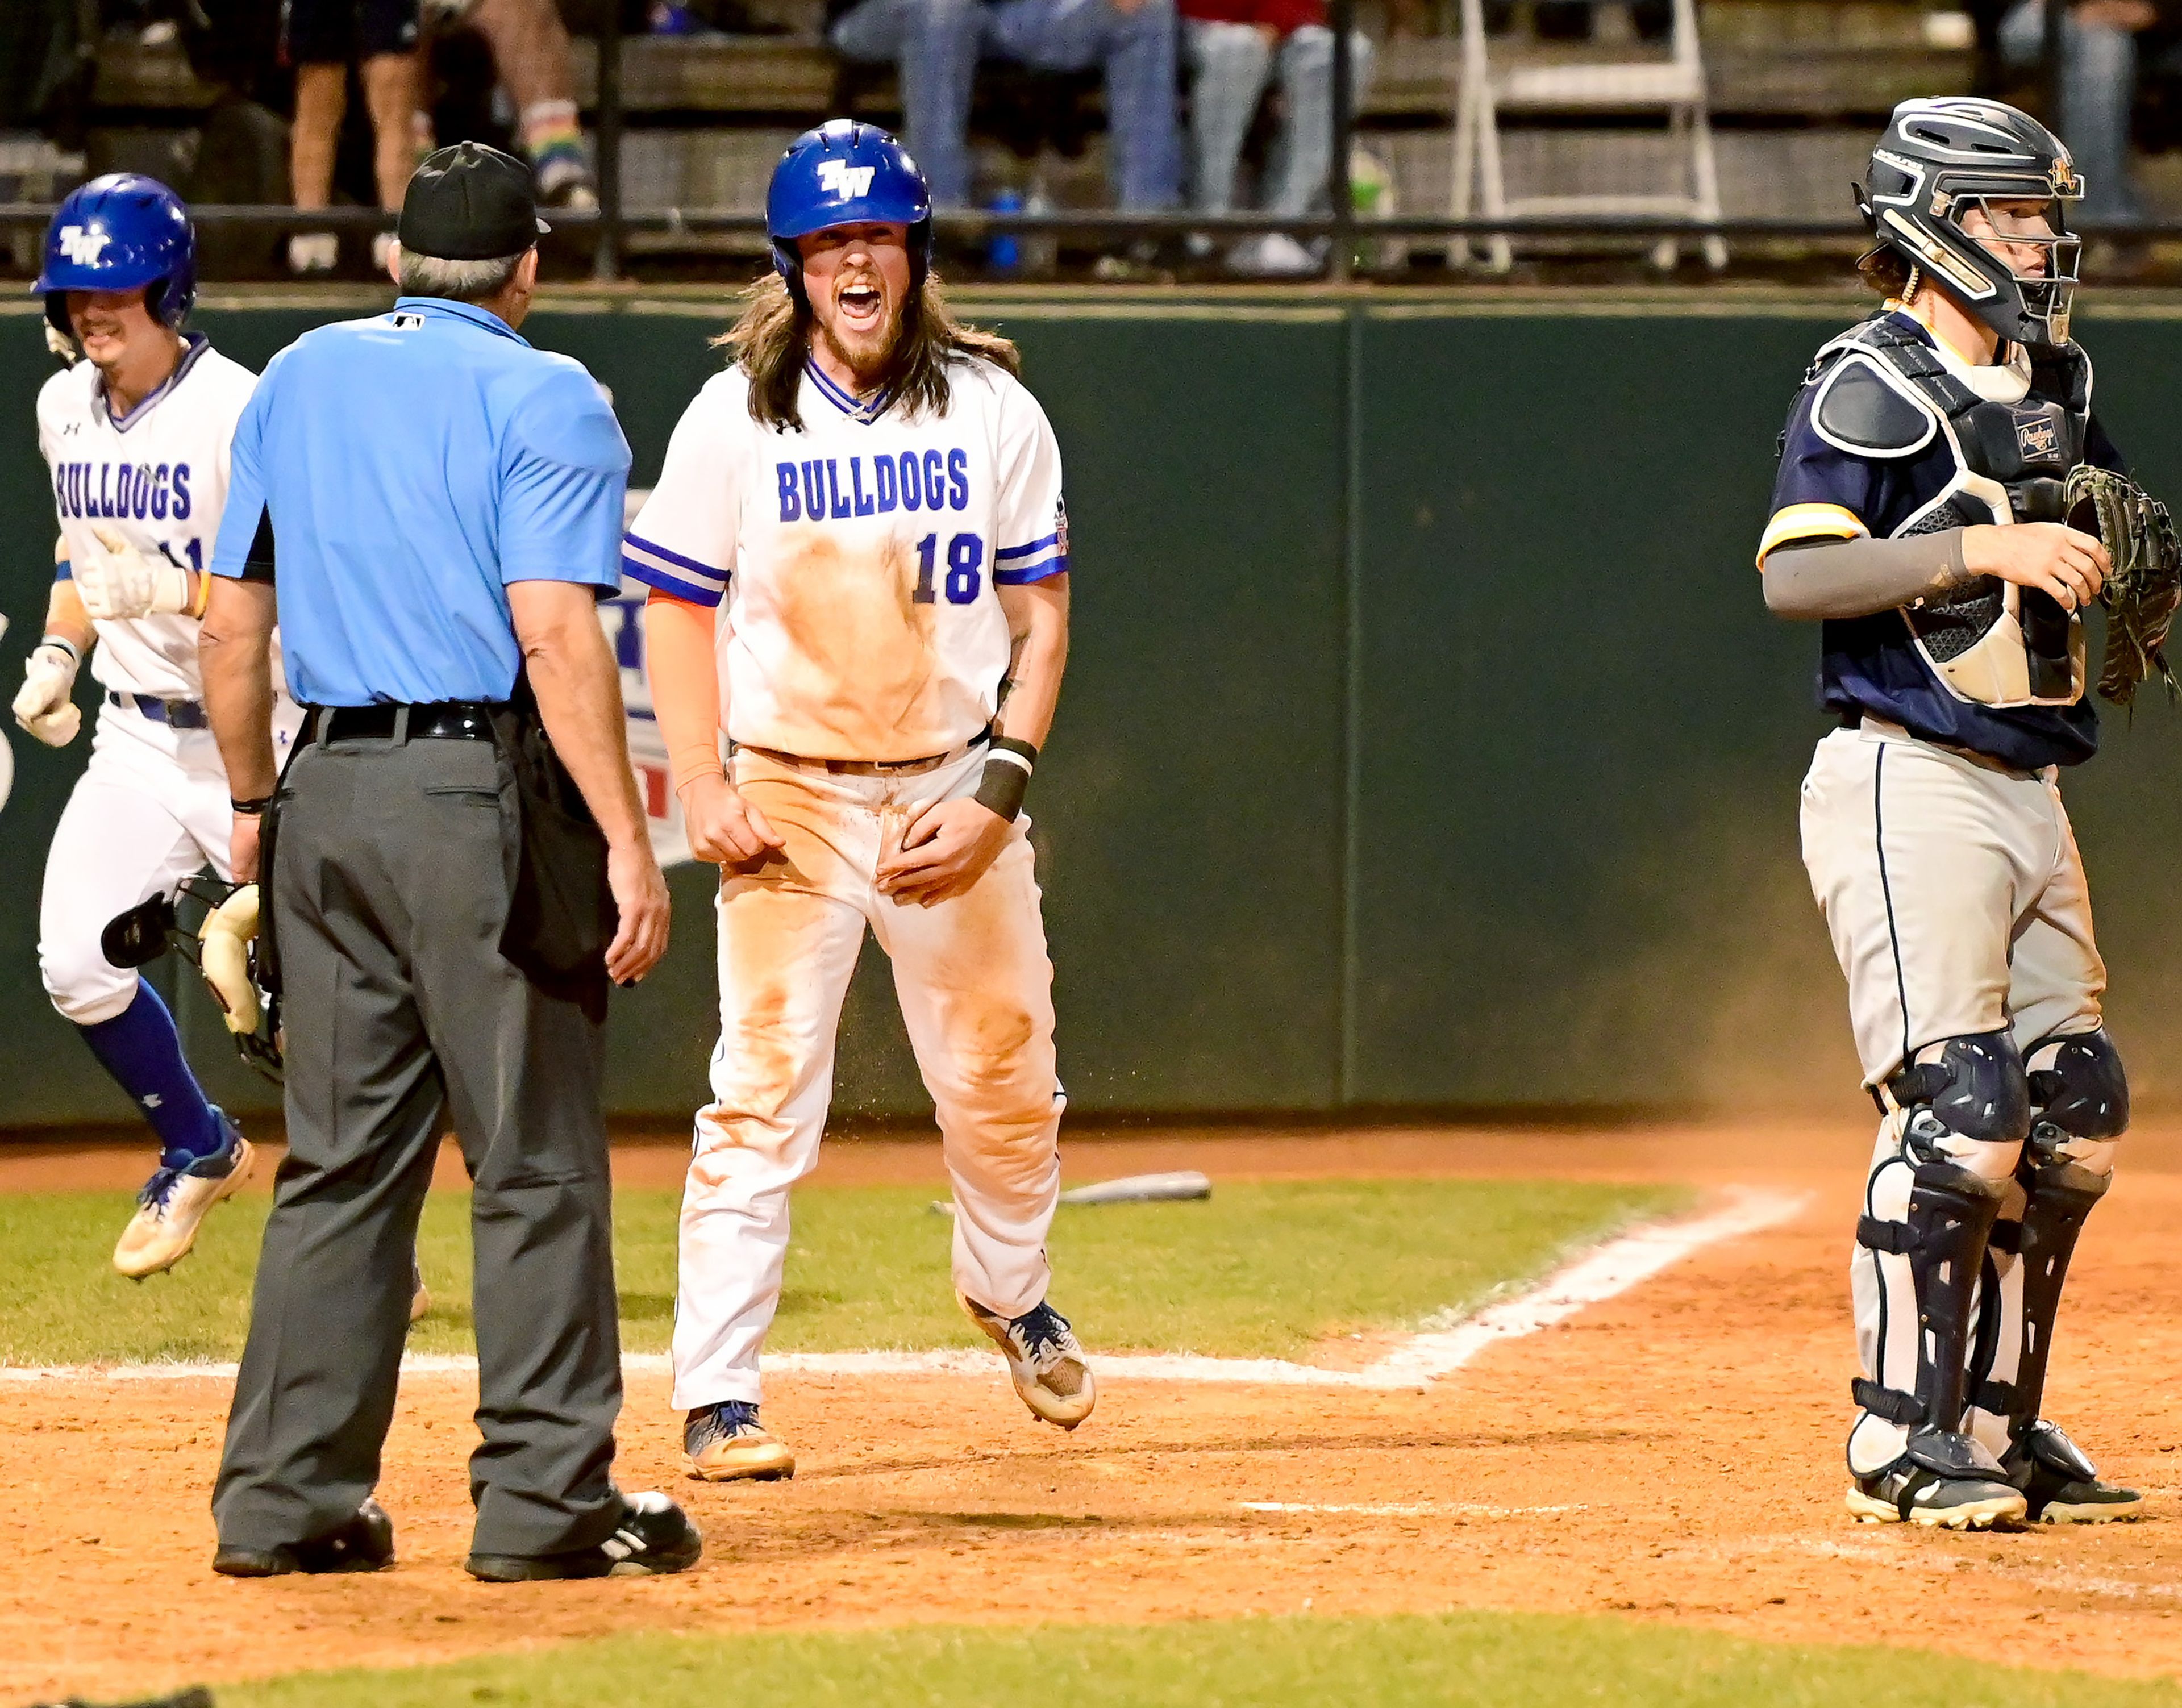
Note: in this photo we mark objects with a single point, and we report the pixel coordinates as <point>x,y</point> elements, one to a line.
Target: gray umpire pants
<point>391,885</point>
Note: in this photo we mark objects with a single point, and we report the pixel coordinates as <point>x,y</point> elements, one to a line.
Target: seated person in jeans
<point>937,45</point>
<point>2101,53</point>
<point>1233,48</point>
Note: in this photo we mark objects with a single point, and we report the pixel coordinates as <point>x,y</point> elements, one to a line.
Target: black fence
<point>611,224</point>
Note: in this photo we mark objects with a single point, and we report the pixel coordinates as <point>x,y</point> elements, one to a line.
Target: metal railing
<point>611,224</point>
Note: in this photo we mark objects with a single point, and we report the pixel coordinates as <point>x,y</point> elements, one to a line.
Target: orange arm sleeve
<point>684,671</point>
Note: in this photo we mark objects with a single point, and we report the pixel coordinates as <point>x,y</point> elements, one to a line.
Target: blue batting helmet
<point>116,233</point>
<point>845,173</point>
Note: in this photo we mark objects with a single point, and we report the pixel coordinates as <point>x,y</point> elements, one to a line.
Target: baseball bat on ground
<point>1181,1185</point>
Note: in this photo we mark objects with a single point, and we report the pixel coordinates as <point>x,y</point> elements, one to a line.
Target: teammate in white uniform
<point>136,435</point>
<point>877,499</point>
<point>1918,513</point>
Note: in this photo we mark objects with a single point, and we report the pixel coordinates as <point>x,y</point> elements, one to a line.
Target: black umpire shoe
<point>655,1538</point>
<point>364,1544</point>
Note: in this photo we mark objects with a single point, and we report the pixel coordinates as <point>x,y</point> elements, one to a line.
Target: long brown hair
<point>773,335</point>
<point>1885,271</point>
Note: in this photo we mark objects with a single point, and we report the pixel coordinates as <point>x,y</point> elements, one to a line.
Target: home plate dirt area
<point>1671,1452</point>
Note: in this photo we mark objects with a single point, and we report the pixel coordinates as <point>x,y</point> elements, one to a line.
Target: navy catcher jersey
<point>1873,663</point>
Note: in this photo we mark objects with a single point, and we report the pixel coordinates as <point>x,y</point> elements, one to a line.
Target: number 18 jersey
<point>858,558</point>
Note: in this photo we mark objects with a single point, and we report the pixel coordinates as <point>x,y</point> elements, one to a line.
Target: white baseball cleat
<point>727,1444</point>
<point>1046,1361</point>
<point>420,1296</point>
<point>172,1206</point>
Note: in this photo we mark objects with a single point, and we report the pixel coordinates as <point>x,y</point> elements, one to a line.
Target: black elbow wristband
<point>1008,765</point>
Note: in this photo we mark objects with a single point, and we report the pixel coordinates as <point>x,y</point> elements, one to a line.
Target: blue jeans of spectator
<point>937,43</point>
<point>1231,64</point>
<point>2098,84</point>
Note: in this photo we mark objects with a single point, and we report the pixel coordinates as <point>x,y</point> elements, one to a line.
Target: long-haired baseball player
<point>1918,513</point>
<point>136,431</point>
<point>877,499</point>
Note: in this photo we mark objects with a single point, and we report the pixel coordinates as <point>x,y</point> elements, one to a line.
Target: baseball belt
<point>176,714</point>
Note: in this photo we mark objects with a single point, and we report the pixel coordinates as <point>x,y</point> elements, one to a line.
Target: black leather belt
<point>176,714</point>
<point>441,721</point>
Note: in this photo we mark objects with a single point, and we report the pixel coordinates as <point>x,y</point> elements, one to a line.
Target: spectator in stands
<point>1233,47</point>
<point>530,51</point>
<point>321,39</point>
<point>937,44</point>
<point>2100,56</point>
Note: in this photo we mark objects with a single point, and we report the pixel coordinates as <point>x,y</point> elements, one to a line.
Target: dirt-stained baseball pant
<point>974,987</point>
<point>1956,900</point>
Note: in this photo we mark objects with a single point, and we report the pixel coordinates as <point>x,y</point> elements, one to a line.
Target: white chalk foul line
<point>1611,1269</point>
<point>1599,1274</point>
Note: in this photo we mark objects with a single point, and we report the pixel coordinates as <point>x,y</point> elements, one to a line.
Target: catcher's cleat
<point>364,1544</point>
<point>172,1206</point>
<point>420,1296</point>
<point>655,1538</point>
<point>1046,1361</point>
<point>1943,1481</point>
<point>727,1444</point>
<point>2060,1484</point>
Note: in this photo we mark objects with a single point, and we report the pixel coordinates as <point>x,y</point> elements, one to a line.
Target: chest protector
<point>1883,393</point>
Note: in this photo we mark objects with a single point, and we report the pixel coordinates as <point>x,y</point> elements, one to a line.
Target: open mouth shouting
<point>862,305</point>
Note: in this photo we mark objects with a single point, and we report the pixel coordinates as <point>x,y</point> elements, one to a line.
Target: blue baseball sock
<point>143,1051</point>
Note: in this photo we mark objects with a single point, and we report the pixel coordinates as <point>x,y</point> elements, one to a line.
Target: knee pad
<point>1972,1089</point>
<point>2080,1099</point>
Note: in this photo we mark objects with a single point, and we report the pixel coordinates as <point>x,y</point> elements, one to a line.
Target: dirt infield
<point>1673,1453</point>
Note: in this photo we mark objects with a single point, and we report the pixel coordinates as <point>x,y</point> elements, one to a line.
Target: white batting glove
<point>119,581</point>
<point>42,705</point>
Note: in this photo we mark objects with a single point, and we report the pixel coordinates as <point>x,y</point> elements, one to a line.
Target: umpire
<point>447,854</point>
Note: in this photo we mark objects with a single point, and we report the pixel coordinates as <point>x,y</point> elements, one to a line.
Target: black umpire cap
<point>470,203</point>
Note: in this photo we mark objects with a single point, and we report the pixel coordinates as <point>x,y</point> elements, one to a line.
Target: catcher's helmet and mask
<point>1940,158</point>
<point>117,232</point>
<point>845,173</point>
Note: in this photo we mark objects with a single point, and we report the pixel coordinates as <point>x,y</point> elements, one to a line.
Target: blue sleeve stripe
<point>64,571</point>
<point>669,581</point>
<point>631,542</point>
<point>1016,575</point>
<point>1036,545</point>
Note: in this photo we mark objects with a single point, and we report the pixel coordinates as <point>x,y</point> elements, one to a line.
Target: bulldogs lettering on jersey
<point>157,477</point>
<point>858,558</point>
<point>1867,454</point>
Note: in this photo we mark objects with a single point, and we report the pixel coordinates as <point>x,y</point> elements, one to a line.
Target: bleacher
<point>1797,88</point>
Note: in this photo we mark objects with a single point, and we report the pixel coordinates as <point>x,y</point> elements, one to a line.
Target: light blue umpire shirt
<point>410,466</point>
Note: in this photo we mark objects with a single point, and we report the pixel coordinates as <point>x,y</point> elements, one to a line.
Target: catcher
<point>1939,472</point>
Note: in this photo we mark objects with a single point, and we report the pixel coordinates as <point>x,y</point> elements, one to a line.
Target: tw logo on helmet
<point>846,182</point>
<point>82,243</point>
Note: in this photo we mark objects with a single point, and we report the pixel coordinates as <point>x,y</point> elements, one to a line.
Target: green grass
<point>1263,1270</point>
<point>1507,1660</point>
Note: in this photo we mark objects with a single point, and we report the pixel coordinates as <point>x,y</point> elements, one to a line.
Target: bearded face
<point>856,278</point>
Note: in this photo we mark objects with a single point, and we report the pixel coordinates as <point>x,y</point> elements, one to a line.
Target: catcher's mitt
<point>223,949</point>
<point>2145,587</point>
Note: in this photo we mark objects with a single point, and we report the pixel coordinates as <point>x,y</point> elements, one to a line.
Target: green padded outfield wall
<point>1426,745</point>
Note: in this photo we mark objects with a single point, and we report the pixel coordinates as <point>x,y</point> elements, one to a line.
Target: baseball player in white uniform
<point>136,435</point>
<point>1919,512</point>
<point>857,559</point>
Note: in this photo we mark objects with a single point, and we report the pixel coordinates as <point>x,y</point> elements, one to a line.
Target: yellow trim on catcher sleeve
<point>1810,522</point>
